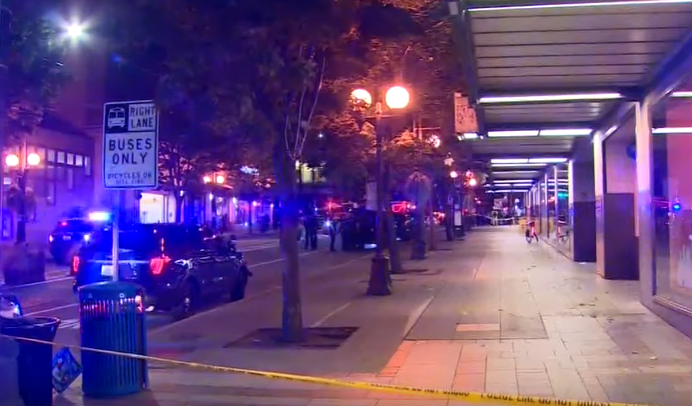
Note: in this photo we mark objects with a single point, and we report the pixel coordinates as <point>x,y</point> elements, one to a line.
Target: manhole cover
<point>313,338</point>
<point>463,328</point>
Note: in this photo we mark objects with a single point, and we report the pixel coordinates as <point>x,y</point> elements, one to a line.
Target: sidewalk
<point>53,272</point>
<point>493,315</point>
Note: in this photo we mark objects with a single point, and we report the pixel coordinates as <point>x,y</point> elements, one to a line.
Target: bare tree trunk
<point>394,254</point>
<point>178,207</point>
<point>291,316</point>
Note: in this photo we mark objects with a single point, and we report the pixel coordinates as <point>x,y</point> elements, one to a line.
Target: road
<point>55,297</point>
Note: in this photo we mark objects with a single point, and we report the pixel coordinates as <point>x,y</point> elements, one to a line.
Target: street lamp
<point>473,182</point>
<point>453,174</point>
<point>220,179</point>
<point>15,161</point>
<point>396,98</point>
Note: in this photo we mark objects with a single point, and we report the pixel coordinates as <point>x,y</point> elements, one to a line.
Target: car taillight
<point>157,264</point>
<point>75,264</point>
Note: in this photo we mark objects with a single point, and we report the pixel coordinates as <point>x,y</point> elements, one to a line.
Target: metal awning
<point>600,53</point>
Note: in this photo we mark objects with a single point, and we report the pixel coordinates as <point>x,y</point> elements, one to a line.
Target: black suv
<point>177,265</point>
<point>67,237</point>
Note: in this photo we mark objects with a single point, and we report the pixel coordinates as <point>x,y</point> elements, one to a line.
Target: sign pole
<point>116,234</point>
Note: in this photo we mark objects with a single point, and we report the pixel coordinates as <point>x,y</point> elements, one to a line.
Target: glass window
<point>42,153</point>
<point>70,178</point>
<point>70,159</point>
<point>672,198</point>
<point>60,173</point>
<point>50,196</point>
<point>79,160</point>
<point>50,172</point>
<point>61,157</point>
<point>50,155</point>
<point>87,166</point>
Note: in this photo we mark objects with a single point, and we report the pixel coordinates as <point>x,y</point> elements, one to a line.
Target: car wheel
<point>188,302</point>
<point>238,292</point>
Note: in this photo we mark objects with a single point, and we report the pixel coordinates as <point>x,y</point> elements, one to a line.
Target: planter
<point>24,265</point>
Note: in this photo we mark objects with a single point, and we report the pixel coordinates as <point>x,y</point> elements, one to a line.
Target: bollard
<point>112,319</point>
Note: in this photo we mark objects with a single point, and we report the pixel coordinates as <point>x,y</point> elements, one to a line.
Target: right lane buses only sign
<point>130,145</point>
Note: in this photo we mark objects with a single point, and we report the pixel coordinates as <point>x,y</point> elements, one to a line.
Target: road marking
<point>329,315</point>
<point>71,324</point>
<point>52,309</point>
<point>67,306</point>
<point>264,292</point>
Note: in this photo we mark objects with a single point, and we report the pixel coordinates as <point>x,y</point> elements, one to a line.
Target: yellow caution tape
<point>473,397</point>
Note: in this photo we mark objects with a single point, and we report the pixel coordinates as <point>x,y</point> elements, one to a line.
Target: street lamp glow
<point>453,174</point>
<point>12,160</point>
<point>75,30</point>
<point>33,159</point>
<point>220,179</point>
<point>361,98</point>
<point>397,97</point>
<point>206,179</point>
<point>473,182</point>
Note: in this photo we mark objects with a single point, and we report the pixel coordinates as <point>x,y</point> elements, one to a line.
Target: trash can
<point>35,361</point>
<point>112,319</point>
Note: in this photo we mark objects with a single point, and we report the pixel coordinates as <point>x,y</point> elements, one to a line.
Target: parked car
<point>67,237</point>
<point>177,265</point>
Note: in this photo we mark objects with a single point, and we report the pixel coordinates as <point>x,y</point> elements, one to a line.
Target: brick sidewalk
<point>504,317</point>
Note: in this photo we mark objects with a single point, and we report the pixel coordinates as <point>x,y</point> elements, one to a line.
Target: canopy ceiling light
<point>673,130</point>
<point>537,98</point>
<point>581,5</point>
<point>507,191</point>
<point>568,132</point>
<point>547,160</point>
<point>515,165</point>
<point>512,181</point>
<point>509,161</point>
<point>518,133</point>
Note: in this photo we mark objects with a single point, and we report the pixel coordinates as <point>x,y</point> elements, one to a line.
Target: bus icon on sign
<point>116,117</point>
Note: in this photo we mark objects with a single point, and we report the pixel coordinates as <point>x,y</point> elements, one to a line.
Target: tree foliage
<point>35,72</point>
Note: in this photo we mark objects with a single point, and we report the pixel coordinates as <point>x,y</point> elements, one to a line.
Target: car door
<point>226,269</point>
<point>204,266</point>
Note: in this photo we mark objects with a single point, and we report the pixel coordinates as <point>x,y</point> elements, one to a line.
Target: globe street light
<point>206,179</point>
<point>395,98</point>
<point>33,159</point>
<point>12,160</point>
<point>220,179</point>
<point>22,165</point>
<point>453,174</point>
<point>473,182</point>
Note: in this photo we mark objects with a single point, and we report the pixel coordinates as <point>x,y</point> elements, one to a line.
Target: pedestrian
<point>333,230</point>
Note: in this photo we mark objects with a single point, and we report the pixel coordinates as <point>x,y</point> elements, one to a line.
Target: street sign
<point>130,145</point>
<point>464,115</point>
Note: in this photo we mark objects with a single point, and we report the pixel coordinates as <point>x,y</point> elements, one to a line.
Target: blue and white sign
<point>130,145</point>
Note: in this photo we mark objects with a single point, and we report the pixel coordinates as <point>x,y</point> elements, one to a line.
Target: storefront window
<point>672,198</point>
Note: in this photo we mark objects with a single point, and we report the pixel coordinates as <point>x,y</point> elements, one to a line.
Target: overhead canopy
<point>534,67</point>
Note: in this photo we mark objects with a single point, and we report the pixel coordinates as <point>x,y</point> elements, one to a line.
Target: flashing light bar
<point>673,130</point>
<point>518,133</point>
<point>514,165</point>
<point>549,98</point>
<point>581,5</point>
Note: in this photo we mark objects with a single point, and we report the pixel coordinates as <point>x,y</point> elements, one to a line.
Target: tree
<point>256,74</point>
<point>34,75</point>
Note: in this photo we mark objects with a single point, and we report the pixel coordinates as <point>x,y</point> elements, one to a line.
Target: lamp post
<point>22,162</point>
<point>218,180</point>
<point>396,98</point>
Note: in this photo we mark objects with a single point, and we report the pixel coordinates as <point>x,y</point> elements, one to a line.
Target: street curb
<point>50,276</point>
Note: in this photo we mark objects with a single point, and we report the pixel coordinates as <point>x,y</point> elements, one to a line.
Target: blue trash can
<point>112,319</point>
<point>34,363</point>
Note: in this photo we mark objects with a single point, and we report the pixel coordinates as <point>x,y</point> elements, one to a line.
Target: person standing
<point>333,230</point>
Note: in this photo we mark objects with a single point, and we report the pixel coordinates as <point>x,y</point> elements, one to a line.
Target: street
<point>54,297</point>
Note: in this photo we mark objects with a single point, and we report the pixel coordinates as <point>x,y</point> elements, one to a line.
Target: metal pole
<point>5,21</point>
<point>378,285</point>
<point>116,233</point>
<point>21,182</point>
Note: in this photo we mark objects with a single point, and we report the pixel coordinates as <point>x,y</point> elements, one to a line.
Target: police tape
<point>472,397</point>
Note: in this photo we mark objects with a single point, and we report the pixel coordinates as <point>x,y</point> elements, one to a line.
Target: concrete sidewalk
<point>493,315</point>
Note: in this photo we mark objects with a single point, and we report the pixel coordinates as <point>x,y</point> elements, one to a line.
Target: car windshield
<point>75,225</point>
<point>148,237</point>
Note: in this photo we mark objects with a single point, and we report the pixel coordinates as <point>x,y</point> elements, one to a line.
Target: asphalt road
<point>54,298</point>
